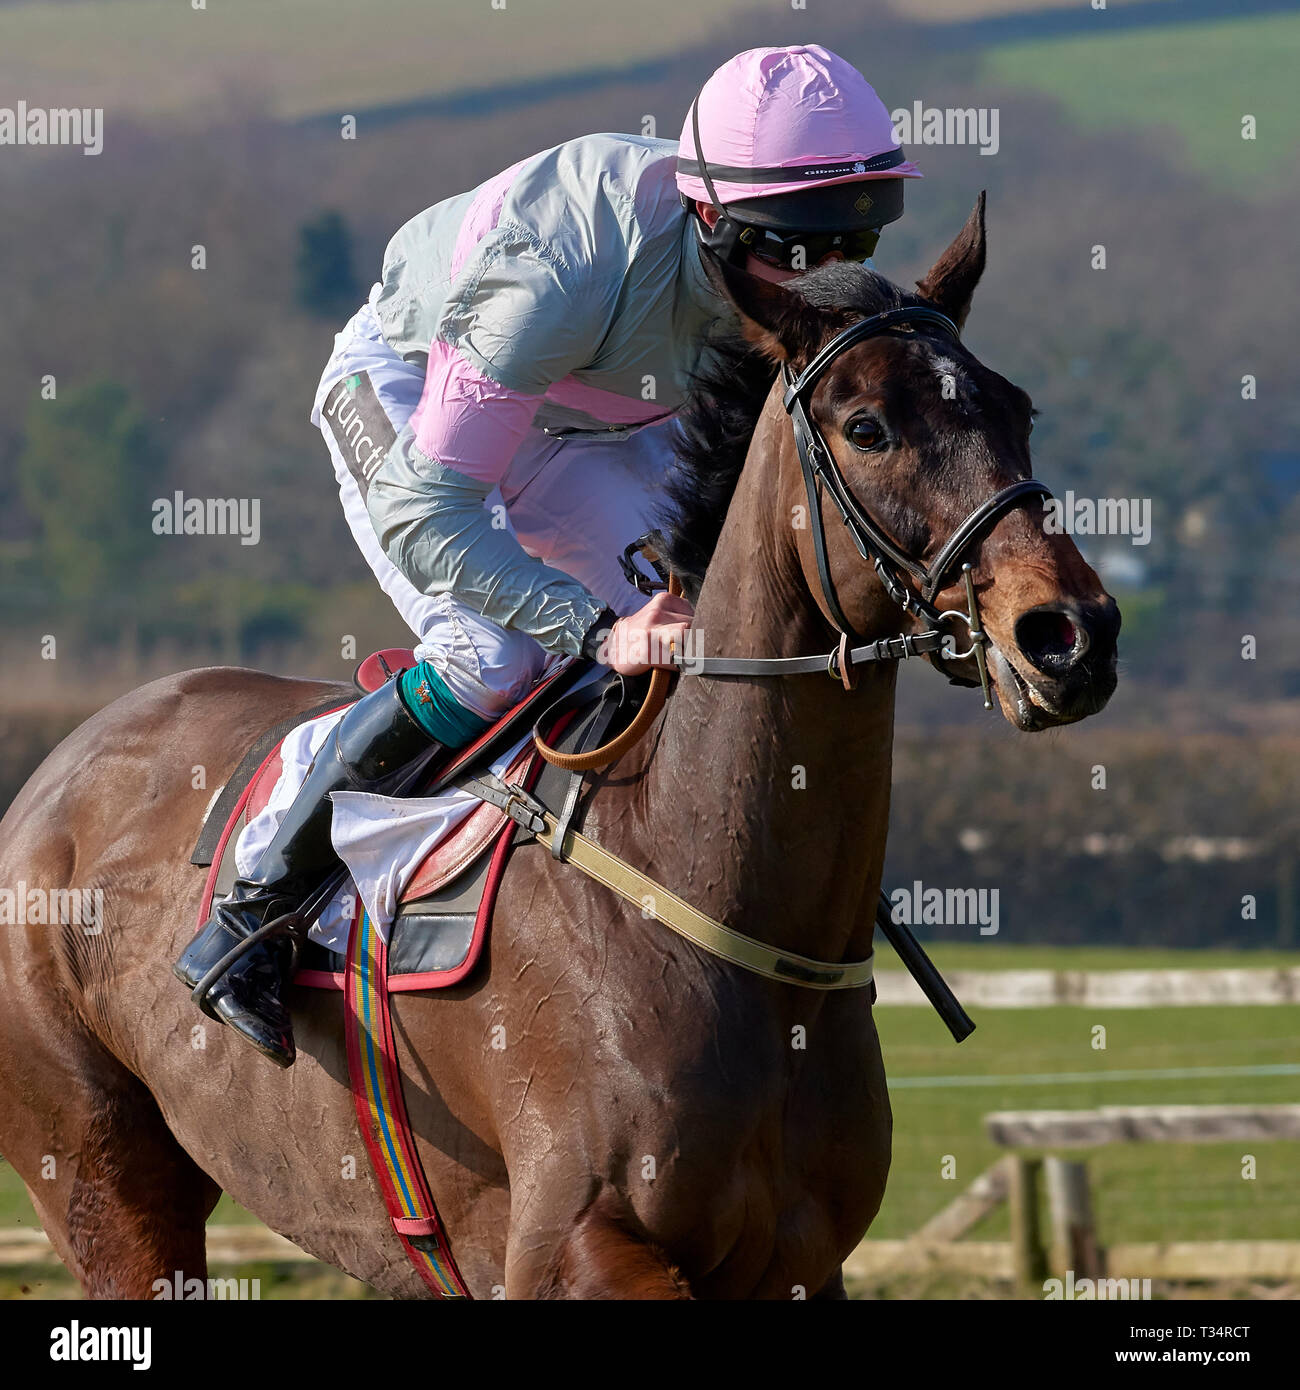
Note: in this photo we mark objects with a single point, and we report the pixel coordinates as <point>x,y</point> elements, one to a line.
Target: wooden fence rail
<point>227,1245</point>
<point>873,1259</point>
<point>1174,1260</point>
<point>1102,989</point>
<point>1112,1124</point>
<point>1013,1179</point>
<point>1072,1242</point>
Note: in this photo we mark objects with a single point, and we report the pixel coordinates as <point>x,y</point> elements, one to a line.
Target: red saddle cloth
<point>461,847</point>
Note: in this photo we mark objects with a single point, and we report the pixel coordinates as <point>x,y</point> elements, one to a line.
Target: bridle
<point>890,561</point>
<point>821,474</point>
<point>819,467</point>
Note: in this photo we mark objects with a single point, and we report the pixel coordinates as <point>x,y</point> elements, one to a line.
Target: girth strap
<point>664,906</point>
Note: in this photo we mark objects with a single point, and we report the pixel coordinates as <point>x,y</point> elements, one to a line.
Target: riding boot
<point>370,749</point>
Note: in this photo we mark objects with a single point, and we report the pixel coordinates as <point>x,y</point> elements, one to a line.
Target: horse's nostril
<point>1064,637</point>
<point>1050,638</point>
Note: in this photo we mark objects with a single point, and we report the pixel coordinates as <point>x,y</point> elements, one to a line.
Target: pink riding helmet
<point>803,110</point>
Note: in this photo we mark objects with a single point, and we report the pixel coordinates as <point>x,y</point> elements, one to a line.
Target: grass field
<point>1190,82</point>
<point>304,57</point>
<point>948,11</point>
<point>1141,1191</point>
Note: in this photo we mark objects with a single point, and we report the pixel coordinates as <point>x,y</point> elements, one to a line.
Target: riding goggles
<point>803,250</point>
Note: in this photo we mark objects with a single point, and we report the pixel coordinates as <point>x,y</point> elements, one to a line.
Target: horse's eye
<point>865,433</point>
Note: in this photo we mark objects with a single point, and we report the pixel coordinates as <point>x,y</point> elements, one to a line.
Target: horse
<point>604,1111</point>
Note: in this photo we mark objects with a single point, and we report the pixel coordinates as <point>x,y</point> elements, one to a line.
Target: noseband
<point>821,471</point>
<point>890,561</point>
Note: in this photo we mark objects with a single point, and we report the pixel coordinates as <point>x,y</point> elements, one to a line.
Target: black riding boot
<point>374,743</point>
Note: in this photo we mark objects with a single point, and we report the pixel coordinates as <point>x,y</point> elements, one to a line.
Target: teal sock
<point>436,710</point>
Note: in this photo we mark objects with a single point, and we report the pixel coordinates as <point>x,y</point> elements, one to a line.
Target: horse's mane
<point>713,431</point>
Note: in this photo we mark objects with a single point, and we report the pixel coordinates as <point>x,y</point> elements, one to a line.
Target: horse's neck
<point>772,795</point>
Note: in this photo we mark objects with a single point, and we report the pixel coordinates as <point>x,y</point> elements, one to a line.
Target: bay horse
<point>603,1110</point>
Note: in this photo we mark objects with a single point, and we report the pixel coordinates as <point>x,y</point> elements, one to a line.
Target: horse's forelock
<point>849,290</point>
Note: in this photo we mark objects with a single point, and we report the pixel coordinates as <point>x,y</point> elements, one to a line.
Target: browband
<point>855,333</point>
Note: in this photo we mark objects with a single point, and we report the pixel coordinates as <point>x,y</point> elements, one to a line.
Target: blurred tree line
<point>1190,840</point>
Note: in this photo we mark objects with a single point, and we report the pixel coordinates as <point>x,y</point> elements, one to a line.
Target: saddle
<point>443,914</point>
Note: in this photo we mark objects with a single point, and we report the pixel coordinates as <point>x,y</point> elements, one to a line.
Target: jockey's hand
<point>649,637</point>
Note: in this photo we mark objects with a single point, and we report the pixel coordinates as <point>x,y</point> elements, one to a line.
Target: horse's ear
<point>951,281</point>
<point>781,324</point>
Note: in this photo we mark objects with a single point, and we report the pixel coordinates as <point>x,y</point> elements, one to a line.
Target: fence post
<point>1026,1246</point>
<point>1074,1235</point>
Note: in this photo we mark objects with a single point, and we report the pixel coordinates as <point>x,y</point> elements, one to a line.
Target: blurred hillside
<point>1119,128</point>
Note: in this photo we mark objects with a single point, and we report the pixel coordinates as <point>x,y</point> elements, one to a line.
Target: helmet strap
<point>723,239</point>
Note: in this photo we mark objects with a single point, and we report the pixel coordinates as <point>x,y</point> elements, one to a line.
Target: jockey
<point>500,416</point>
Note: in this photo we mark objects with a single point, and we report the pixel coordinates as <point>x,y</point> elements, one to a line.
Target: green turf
<point>307,56</point>
<point>308,1280</point>
<point>1142,1192</point>
<point>1188,84</point>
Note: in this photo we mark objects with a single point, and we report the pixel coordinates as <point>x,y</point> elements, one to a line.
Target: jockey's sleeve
<point>522,318</point>
<point>432,522</point>
<point>526,312</point>
<point>434,526</point>
<point>468,421</point>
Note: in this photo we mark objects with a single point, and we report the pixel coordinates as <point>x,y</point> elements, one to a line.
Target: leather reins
<point>657,693</point>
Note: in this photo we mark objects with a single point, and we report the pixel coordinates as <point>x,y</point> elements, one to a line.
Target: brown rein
<point>610,752</point>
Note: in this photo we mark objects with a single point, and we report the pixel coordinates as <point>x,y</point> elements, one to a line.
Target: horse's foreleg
<point>833,1289</point>
<point>600,1258</point>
